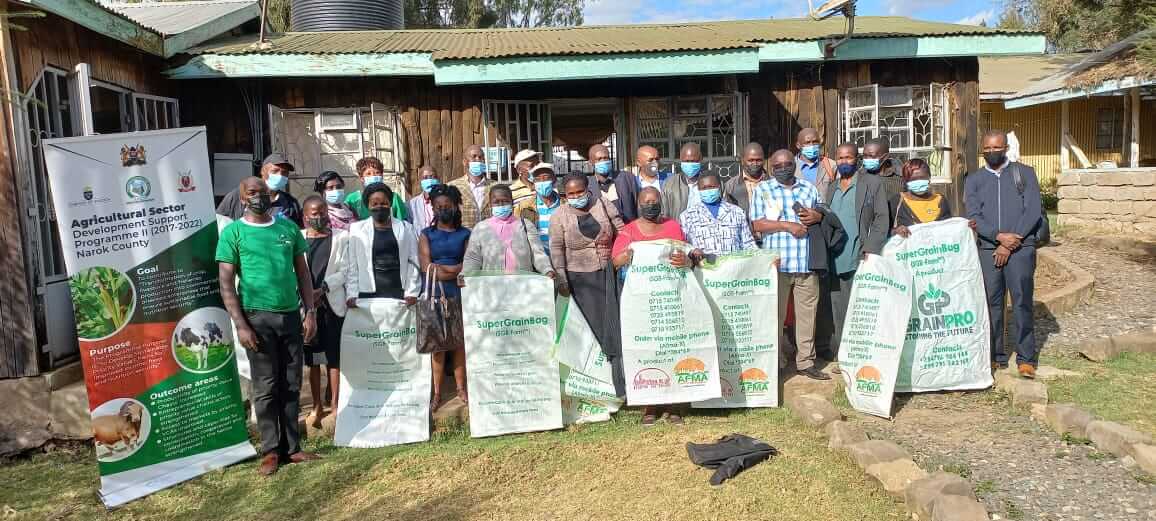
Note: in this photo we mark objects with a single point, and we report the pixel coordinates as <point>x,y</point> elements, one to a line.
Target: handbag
<point>439,318</point>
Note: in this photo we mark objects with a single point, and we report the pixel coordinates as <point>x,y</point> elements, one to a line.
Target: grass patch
<point>1068,438</point>
<point>1012,510</point>
<point>615,470</point>
<point>1145,478</point>
<point>984,487</point>
<point>1099,456</point>
<point>1120,389</point>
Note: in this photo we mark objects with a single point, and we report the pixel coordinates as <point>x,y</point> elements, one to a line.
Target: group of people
<point>290,271</point>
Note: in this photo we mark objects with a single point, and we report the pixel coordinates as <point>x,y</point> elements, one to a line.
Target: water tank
<point>346,15</point>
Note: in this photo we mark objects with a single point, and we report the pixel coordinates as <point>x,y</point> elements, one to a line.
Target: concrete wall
<point>1119,200</point>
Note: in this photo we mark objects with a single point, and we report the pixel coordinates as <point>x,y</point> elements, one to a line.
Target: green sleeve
<point>227,245</point>
<point>400,209</point>
<point>359,208</point>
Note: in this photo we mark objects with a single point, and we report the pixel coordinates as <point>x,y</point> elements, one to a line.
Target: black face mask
<point>380,213</point>
<point>259,204</point>
<point>995,158</point>
<point>785,175</point>
<point>753,171</point>
<point>317,223</point>
<point>446,215</point>
<point>650,212</point>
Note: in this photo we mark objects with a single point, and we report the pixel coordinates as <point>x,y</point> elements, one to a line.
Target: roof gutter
<point>896,47</point>
<point>1063,94</point>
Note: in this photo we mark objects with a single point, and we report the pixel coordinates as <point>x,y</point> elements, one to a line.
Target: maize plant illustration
<point>102,299</point>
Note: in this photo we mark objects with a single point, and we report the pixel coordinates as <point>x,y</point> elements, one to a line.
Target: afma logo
<point>754,381</point>
<point>691,372</point>
<point>869,381</point>
<point>933,301</point>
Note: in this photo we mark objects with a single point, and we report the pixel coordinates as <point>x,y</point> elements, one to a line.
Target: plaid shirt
<point>728,233</point>
<point>776,202</point>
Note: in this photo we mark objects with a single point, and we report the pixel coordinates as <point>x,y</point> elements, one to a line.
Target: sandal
<point>649,417</point>
<point>435,402</point>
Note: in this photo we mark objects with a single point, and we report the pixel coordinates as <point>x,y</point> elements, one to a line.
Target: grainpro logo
<point>868,381</point>
<point>691,372</point>
<point>754,381</point>
<point>933,301</point>
<point>651,378</point>
<point>934,316</point>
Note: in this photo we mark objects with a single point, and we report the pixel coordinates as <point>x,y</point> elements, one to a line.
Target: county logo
<point>651,378</point>
<point>754,381</point>
<point>691,372</point>
<point>186,182</point>
<point>869,381</point>
<point>132,156</point>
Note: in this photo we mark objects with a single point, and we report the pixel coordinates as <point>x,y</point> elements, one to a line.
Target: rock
<point>840,434</point>
<point>957,508</point>
<point>1005,380</point>
<point>1027,392</point>
<point>1099,349</point>
<point>1039,412</point>
<point>896,476</point>
<point>1102,349</point>
<point>16,439</point>
<point>867,453</point>
<point>1145,456</point>
<point>922,493</point>
<point>797,384</point>
<point>813,409</point>
<point>1115,438</point>
<point>451,415</point>
<point>1068,419</point>
<point>1047,372</point>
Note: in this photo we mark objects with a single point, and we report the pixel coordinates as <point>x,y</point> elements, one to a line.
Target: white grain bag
<point>873,334</point>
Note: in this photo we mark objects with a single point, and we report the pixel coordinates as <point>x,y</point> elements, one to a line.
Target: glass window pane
<point>651,109</point>
<point>895,96</point>
<point>689,106</point>
<point>860,137</point>
<point>861,97</point>
<point>862,119</point>
<point>690,128</point>
<point>653,129</point>
<point>896,138</point>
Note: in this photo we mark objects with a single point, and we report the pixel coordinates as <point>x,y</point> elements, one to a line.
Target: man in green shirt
<point>370,169</point>
<point>268,255</point>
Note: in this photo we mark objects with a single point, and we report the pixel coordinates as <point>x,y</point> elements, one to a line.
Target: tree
<point>1074,25</point>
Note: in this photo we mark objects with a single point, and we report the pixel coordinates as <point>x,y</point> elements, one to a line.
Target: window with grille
<point>714,122</point>
<point>1110,129</point>
<point>913,120</point>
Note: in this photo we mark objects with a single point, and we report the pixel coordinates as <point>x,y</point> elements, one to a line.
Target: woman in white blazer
<point>382,253</point>
<point>326,254</point>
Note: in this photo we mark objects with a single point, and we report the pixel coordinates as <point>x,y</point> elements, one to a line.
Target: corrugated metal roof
<point>170,18</point>
<point>1002,76</point>
<point>1059,80</point>
<point>497,43</point>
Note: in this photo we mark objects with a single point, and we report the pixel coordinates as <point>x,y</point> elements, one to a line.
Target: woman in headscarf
<point>505,242</point>
<point>332,187</point>
<point>582,234</point>
<point>441,248</point>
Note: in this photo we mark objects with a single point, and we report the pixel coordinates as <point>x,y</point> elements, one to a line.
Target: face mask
<point>503,211</point>
<point>544,188</point>
<point>277,182</point>
<point>580,202</point>
<point>785,175</point>
<point>872,164</point>
<point>753,171</point>
<point>603,167</point>
<point>428,184</point>
<point>710,195</point>
<point>651,212</point>
<point>811,152</point>
<point>317,223</point>
<point>995,159</point>
<point>259,204</point>
<point>652,167</point>
<point>334,196</point>
<point>690,169</point>
<point>380,213</point>
<point>919,186</point>
<point>477,168</point>
<point>845,169</point>
<point>446,215</point>
<point>371,179</point>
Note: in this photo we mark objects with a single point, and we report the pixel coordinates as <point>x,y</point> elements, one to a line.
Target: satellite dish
<point>831,8</point>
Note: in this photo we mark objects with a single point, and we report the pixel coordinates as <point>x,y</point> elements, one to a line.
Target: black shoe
<point>814,374</point>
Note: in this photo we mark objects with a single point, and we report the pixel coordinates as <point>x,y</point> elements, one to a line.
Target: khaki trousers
<point>805,289</point>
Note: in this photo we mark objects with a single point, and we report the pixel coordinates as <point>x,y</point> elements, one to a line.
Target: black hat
<point>277,158</point>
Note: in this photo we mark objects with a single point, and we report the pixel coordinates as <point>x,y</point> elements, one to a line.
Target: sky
<point>604,12</point>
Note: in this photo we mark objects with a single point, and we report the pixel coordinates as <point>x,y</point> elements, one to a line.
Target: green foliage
<point>985,487</point>
<point>1074,25</point>
<point>1049,193</point>
<point>217,354</point>
<point>102,299</point>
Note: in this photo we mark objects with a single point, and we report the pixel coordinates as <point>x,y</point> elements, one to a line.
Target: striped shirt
<point>776,202</point>
<point>544,213</point>
<point>727,233</point>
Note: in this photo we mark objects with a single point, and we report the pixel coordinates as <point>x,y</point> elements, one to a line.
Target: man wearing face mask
<point>420,207</point>
<point>877,161</point>
<point>859,202</point>
<point>523,187</point>
<point>546,200</point>
<point>812,164</point>
<point>1003,198</point>
<point>621,190</point>
<point>739,190</point>
<point>681,191</point>
<point>782,210</point>
<point>715,227</point>
<point>267,254</point>
<point>275,171</point>
<point>474,186</point>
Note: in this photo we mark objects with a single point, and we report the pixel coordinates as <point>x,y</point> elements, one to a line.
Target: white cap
<point>526,154</point>
<point>541,166</point>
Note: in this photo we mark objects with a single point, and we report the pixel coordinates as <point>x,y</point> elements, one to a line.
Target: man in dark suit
<point>739,190</point>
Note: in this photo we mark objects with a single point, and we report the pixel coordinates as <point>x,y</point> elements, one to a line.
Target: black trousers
<point>276,371</point>
<point>1018,278</point>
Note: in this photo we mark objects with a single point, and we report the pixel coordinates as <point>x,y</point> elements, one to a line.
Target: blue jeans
<point>1018,278</point>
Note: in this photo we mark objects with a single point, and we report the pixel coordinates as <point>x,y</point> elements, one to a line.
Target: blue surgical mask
<point>334,196</point>
<point>371,179</point>
<point>811,152</point>
<point>503,211</point>
<point>603,167</point>
<point>872,164</point>
<point>580,202</point>
<point>428,184</point>
<point>691,169</point>
<point>710,195</point>
<point>544,188</point>
<point>919,186</point>
<point>845,169</point>
<point>477,168</point>
<point>277,182</point>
